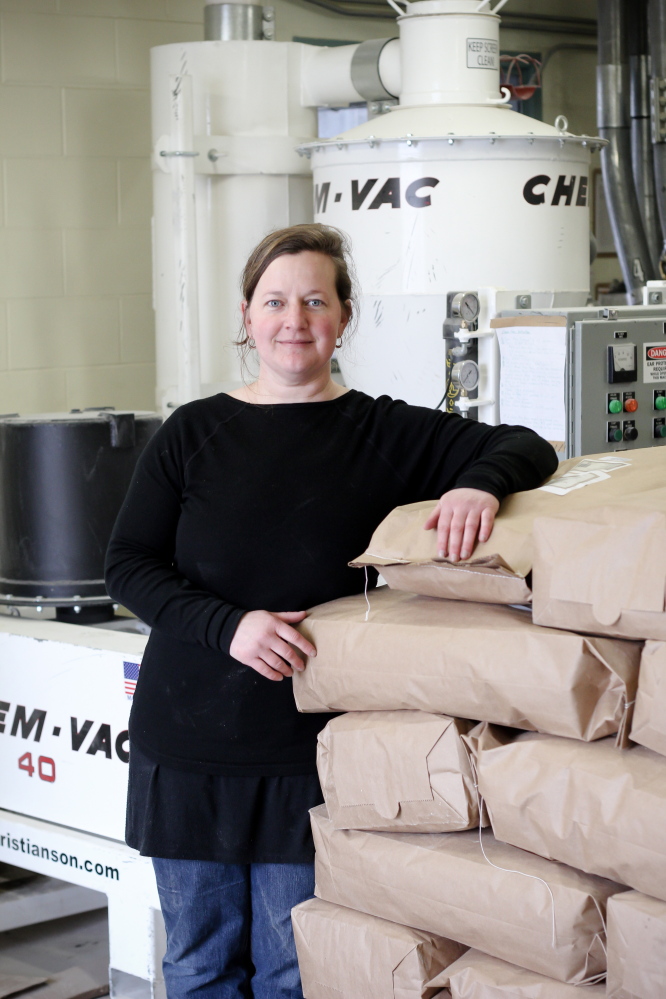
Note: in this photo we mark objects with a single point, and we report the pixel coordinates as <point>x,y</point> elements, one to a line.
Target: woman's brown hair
<point>312,236</point>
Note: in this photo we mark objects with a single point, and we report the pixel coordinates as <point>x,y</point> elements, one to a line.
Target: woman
<point>245,510</point>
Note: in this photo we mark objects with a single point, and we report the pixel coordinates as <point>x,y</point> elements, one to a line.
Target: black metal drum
<point>63,478</point>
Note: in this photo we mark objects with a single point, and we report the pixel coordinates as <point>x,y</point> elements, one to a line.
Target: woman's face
<point>295,316</point>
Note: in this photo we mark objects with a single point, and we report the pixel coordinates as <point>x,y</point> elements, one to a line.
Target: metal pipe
<point>565,47</point>
<point>613,122</point>
<point>517,21</point>
<point>641,141</point>
<point>231,22</point>
<point>371,11</point>
<point>327,77</point>
<point>346,74</point>
<point>546,23</point>
<point>366,69</point>
<point>657,42</point>
<point>185,241</point>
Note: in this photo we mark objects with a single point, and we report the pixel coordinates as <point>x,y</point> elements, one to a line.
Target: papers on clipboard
<point>533,355</point>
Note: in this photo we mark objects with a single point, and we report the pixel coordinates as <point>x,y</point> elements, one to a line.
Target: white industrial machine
<point>65,693</point>
<point>450,190</point>
<point>66,684</point>
<point>458,208</point>
<point>470,231</point>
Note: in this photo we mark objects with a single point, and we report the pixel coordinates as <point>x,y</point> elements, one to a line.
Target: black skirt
<point>179,815</point>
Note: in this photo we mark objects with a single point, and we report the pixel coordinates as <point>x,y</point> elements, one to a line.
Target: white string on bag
<point>593,979</point>
<point>367,613</point>
<point>508,870</point>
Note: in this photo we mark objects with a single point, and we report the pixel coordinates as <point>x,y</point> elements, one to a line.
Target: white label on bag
<point>654,362</point>
<point>585,473</point>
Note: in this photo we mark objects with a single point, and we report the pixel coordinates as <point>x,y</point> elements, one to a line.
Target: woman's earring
<point>338,342</point>
<point>251,344</point>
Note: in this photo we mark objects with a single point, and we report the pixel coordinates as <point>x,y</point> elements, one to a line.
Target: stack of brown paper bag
<point>344,954</point>
<point>576,821</point>
<point>542,915</point>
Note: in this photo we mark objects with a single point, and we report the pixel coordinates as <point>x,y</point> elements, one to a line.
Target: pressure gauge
<point>465,305</point>
<point>466,375</point>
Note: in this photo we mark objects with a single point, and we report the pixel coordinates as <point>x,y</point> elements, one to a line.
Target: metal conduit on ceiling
<point>550,23</point>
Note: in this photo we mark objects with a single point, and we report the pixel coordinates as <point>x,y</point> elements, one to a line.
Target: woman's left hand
<point>462,517</point>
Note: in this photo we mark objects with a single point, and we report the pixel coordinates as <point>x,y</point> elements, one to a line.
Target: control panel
<point>618,390</point>
<point>614,377</point>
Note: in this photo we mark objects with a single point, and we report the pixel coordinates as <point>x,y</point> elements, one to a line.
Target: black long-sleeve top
<point>237,507</point>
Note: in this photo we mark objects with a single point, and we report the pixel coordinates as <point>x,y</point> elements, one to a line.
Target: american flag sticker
<point>131,674</point>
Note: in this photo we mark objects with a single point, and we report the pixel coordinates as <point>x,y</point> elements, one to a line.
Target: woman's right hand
<point>263,642</point>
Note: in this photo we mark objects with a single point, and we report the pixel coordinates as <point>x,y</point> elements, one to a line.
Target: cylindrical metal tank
<point>440,200</point>
<point>451,191</point>
<point>449,53</point>
<point>63,478</point>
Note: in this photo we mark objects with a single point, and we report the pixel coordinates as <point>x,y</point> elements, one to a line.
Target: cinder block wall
<point>76,325</point>
<point>76,320</point>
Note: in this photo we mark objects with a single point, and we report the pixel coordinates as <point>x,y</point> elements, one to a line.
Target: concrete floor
<point>71,953</point>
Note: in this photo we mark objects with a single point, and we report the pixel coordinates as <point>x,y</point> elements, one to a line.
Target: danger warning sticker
<point>654,362</point>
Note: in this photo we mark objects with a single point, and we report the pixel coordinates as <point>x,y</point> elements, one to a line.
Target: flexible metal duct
<point>641,138</point>
<point>657,35</point>
<point>614,125</point>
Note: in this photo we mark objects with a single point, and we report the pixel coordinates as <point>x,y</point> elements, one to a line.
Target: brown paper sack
<point>406,555</point>
<point>478,976</point>
<point>397,770</point>
<point>442,883</point>
<point>636,947</point>
<point>583,804</point>
<point>602,571</point>
<point>477,661</point>
<point>649,724</point>
<point>343,954</point>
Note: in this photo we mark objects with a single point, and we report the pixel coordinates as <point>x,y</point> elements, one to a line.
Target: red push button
<point>630,405</point>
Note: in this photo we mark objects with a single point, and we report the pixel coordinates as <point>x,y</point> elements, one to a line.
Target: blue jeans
<point>229,929</point>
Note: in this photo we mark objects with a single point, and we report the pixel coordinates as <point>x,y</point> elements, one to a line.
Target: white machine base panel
<point>65,695</point>
<point>136,929</point>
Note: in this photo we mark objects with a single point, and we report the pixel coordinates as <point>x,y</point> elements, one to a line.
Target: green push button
<point>615,406</point>
<point>659,402</point>
<point>617,435</point>
<point>661,431</point>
